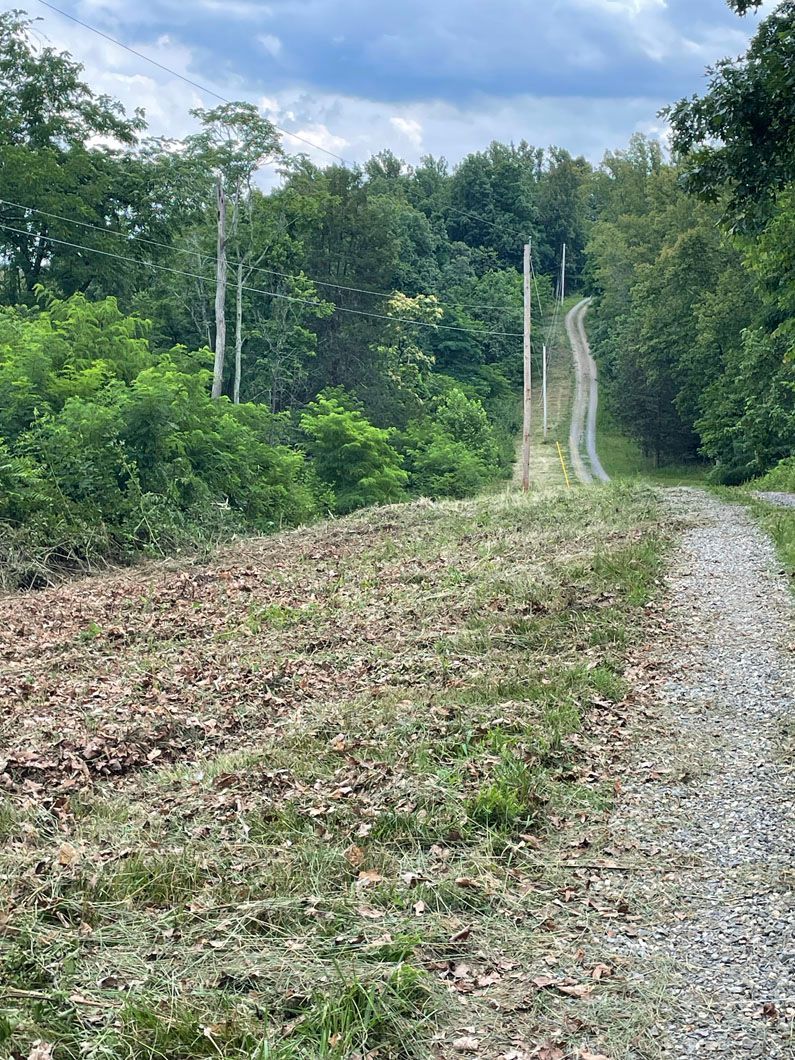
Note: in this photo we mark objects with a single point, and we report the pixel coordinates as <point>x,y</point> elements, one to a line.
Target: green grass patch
<point>623,458</point>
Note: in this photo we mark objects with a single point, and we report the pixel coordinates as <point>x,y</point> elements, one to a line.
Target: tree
<point>48,115</point>
<point>562,206</point>
<point>493,202</point>
<point>739,138</point>
<point>235,142</point>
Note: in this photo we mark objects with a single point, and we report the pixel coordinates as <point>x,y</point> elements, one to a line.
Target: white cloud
<point>409,127</point>
<point>356,127</point>
<point>318,134</point>
<point>271,44</point>
<point>250,10</point>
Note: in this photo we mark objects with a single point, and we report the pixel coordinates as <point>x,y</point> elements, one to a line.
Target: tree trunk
<point>220,293</point>
<point>238,334</point>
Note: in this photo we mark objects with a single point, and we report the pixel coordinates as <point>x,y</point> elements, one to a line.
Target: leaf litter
<point>330,788</point>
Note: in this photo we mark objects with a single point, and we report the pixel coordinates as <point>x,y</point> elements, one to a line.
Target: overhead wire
<point>223,99</point>
<point>216,95</point>
<point>252,268</point>
<point>182,77</point>
<point>209,91</point>
<point>259,290</point>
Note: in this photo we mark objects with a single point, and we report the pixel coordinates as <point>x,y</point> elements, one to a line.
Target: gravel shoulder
<point>709,799</point>
<point>779,499</point>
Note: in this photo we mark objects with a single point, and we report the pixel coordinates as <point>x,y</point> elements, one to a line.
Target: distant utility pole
<point>528,375</point>
<point>220,291</point>
<point>563,276</point>
<point>544,386</point>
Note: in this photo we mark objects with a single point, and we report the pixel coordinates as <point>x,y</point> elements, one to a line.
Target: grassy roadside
<point>623,459</point>
<point>317,798</point>
<point>546,473</point>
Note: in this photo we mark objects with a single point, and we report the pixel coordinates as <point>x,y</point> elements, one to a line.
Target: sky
<point>440,77</point>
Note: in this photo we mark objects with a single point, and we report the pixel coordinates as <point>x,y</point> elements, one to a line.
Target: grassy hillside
<point>308,801</point>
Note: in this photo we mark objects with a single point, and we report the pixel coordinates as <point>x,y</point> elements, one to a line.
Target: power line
<point>182,77</point>
<point>223,99</point>
<point>259,290</point>
<point>216,95</point>
<point>498,226</point>
<point>251,268</point>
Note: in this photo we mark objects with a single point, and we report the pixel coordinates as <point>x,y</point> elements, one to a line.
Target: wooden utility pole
<point>220,292</point>
<point>544,386</point>
<point>238,335</point>
<point>563,276</point>
<point>528,373</point>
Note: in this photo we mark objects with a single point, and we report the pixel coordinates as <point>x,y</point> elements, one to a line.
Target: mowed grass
<point>298,803</point>
<point>623,458</point>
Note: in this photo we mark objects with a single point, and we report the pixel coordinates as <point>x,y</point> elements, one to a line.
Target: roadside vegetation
<point>373,316</point>
<point>691,263</point>
<point>318,798</point>
<point>623,458</point>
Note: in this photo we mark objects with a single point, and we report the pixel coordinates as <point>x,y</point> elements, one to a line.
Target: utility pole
<point>220,292</point>
<point>544,386</point>
<point>528,375</point>
<point>563,276</point>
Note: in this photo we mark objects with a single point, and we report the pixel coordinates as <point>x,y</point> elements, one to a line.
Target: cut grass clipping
<point>292,804</point>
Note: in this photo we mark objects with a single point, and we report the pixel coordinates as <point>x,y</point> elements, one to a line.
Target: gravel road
<point>710,806</point>
<point>778,499</point>
<point>586,398</point>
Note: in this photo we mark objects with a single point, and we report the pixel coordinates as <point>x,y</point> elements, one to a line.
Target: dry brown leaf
<point>368,877</point>
<point>549,1051</point>
<point>354,855</point>
<point>578,990</point>
<point>371,914</point>
<point>68,855</point>
<point>467,1044</point>
<point>41,1051</point>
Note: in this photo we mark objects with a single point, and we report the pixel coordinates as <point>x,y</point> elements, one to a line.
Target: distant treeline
<point>693,265</point>
<point>373,314</point>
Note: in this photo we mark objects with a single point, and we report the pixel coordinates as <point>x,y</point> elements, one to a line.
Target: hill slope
<point>306,801</point>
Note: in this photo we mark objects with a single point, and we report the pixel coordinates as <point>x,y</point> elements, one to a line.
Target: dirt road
<point>582,434</point>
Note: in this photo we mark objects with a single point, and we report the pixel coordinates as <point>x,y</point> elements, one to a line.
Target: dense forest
<point>693,265</point>
<point>210,336</point>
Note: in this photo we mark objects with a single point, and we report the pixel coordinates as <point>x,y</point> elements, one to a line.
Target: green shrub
<point>354,458</point>
<point>454,451</point>
<point>125,452</point>
<point>781,477</point>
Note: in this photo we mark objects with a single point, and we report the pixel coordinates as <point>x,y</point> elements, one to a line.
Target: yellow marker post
<point>563,465</point>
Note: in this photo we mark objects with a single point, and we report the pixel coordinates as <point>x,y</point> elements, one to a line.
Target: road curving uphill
<point>582,434</point>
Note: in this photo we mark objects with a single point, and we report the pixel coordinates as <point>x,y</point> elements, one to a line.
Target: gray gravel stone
<point>781,500</point>
<point>720,931</point>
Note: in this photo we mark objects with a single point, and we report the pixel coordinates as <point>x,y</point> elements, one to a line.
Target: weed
<point>510,802</point>
<point>384,1018</point>
<point>278,616</point>
<point>161,879</point>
